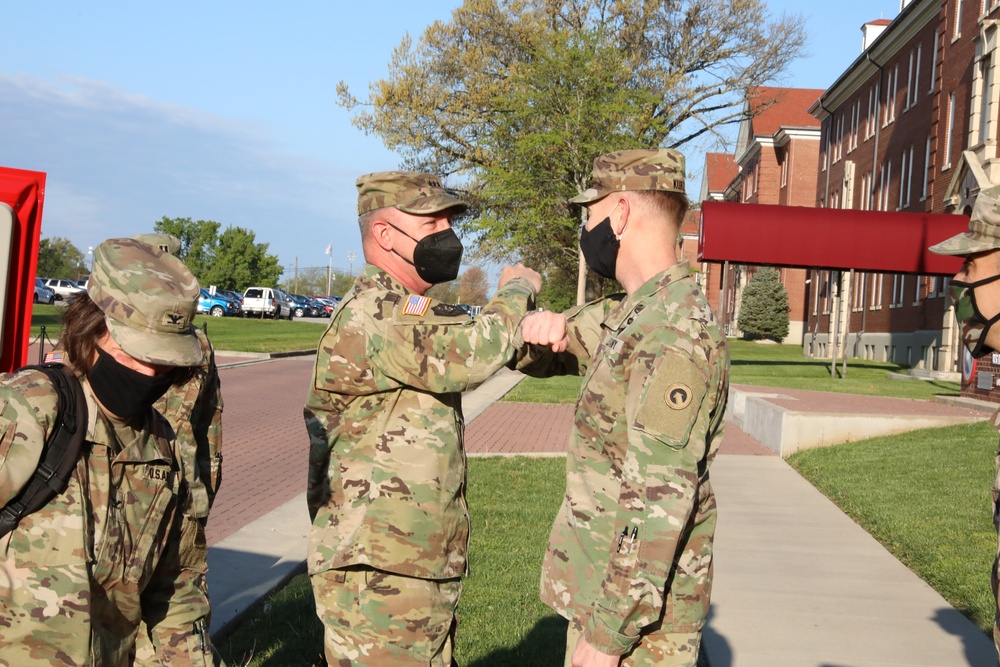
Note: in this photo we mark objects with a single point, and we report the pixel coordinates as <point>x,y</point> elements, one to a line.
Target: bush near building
<point>764,312</point>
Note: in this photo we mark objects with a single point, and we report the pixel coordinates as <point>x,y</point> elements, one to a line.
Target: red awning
<point>827,238</point>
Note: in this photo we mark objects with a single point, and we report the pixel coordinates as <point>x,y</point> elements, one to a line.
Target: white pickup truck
<point>266,302</point>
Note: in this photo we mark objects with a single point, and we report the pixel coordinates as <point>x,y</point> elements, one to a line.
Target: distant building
<point>775,163</point>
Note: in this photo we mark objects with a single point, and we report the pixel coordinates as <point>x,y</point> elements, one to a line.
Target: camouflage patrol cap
<point>646,169</point>
<point>168,243</point>
<point>984,228</point>
<point>149,299</point>
<point>409,191</point>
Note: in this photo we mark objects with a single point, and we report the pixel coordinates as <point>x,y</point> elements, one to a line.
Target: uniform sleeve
<point>674,409</point>
<point>175,604</point>
<point>206,422</point>
<point>28,408</point>
<point>583,327</point>
<point>444,352</point>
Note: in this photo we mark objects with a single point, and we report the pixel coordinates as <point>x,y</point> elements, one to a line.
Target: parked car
<point>43,294</point>
<point>235,296</point>
<point>306,306</point>
<point>328,304</point>
<point>266,302</point>
<point>63,287</point>
<point>83,283</point>
<point>216,305</point>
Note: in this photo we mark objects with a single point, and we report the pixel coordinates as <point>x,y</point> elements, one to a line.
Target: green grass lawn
<point>513,502</point>
<point>925,495</point>
<point>226,333</point>
<point>772,366</point>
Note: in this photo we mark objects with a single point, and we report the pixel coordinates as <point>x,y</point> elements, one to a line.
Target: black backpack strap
<point>61,451</point>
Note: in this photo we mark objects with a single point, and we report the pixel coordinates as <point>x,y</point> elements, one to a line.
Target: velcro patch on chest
<point>157,474</point>
<point>671,399</point>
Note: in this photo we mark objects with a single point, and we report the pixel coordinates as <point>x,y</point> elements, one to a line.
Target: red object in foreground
<point>827,238</point>
<point>20,229</point>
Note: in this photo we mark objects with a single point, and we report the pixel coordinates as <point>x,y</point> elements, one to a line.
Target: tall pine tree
<point>764,311</point>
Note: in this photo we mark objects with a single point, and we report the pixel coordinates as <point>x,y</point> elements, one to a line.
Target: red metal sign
<point>24,192</point>
<point>827,238</point>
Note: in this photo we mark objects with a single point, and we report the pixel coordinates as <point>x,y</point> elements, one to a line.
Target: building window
<point>948,132</point>
<point>927,168</point>
<point>902,183</point>
<point>890,96</point>
<point>958,20</point>
<point>909,82</point>
<point>934,51</point>
<point>860,280</point>
<point>870,120</point>
<point>916,78</point>
<point>827,286</point>
<point>985,95</point>
<point>898,287</point>
<point>784,167</point>
<point>909,177</point>
<point>814,279</point>
<point>916,292</point>
<point>877,291</point>
<point>943,287</point>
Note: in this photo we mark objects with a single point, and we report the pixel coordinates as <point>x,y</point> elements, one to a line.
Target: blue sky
<point>227,110</point>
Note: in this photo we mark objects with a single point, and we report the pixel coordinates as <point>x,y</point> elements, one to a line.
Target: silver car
<point>43,294</point>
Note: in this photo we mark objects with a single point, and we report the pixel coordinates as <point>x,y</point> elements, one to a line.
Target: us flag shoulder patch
<point>416,305</point>
<point>53,357</point>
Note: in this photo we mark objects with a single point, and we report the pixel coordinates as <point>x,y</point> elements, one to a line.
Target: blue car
<point>216,305</point>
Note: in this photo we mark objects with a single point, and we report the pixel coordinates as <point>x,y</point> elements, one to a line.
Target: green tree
<point>198,241</point>
<point>472,287</point>
<point>59,258</point>
<point>764,310</point>
<point>515,98</point>
<point>239,262</point>
<point>231,260</point>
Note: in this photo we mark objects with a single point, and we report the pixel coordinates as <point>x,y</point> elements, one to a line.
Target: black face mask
<point>600,248</point>
<point>436,257</point>
<point>975,326</point>
<point>125,393</point>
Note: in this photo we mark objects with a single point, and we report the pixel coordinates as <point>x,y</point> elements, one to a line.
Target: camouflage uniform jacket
<point>384,415</point>
<point>77,576</point>
<point>632,543</point>
<point>194,410</point>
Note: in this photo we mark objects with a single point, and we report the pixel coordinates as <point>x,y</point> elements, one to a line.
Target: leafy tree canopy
<point>515,99</point>
<point>59,258</point>
<point>231,260</point>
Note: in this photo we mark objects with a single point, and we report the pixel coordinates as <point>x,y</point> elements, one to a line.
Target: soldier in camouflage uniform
<point>629,559</point>
<point>387,481</point>
<point>194,411</point>
<point>975,290</point>
<point>78,576</point>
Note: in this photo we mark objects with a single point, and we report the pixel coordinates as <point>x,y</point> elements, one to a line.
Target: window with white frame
<point>877,291</point>
<point>909,80</point>
<point>898,287</point>
<point>891,110</point>
<point>949,131</point>
<point>858,301</point>
<point>958,20</point>
<point>985,80</point>
<point>909,177</point>
<point>927,168</point>
<point>934,51</point>
<point>827,286</point>
<point>870,120</point>
<point>916,292</point>
<point>902,182</point>
<point>814,279</point>
<point>784,166</point>
<point>943,286</point>
<point>916,77</point>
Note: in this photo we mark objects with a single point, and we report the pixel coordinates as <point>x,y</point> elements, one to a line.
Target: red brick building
<point>910,125</point>
<point>775,163</point>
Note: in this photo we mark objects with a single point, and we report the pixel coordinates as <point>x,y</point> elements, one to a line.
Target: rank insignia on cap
<point>416,305</point>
